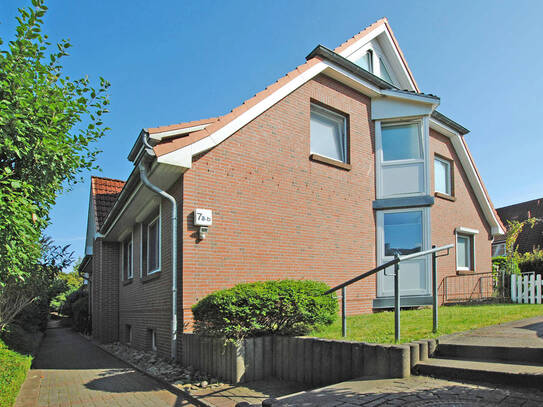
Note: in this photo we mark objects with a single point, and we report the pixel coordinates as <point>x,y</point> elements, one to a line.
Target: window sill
<point>330,161</point>
<point>128,281</point>
<point>445,196</point>
<point>464,272</point>
<point>150,277</point>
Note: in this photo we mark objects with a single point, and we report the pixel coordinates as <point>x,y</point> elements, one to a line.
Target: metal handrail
<point>392,262</point>
<point>396,263</point>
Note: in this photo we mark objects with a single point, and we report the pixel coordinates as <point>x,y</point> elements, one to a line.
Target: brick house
<point>530,238</point>
<point>323,175</point>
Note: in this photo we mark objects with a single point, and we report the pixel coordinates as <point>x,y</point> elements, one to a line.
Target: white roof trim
<point>183,156</point>
<point>178,132</point>
<point>372,35</point>
<point>410,96</point>
<point>475,181</point>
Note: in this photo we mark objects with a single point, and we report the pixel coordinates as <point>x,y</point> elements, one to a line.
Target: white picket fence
<point>526,288</point>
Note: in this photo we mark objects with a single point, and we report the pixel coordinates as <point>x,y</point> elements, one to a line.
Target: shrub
<point>12,374</point>
<point>80,309</point>
<point>532,261</point>
<point>284,307</point>
<point>21,339</point>
<point>67,307</point>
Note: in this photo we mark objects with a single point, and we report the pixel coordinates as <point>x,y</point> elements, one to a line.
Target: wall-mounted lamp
<point>203,218</point>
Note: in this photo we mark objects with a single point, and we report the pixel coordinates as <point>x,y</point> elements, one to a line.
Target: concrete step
<point>532,355</point>
<point>496,371</point>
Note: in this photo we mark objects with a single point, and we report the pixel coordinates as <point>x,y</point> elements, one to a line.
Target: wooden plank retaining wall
<point>311,361</point>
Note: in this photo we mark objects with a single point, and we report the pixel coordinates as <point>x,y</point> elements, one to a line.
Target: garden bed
<point>417,324</point>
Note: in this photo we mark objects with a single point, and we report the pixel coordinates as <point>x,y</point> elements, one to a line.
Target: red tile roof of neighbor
<point>104,194</point>
<point>219,122</point>
<point>530,238</point>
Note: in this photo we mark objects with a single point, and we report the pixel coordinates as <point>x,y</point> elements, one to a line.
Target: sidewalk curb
<point>170,387</point>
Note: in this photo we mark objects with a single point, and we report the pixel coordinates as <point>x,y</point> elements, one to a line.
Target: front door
<point>403,231</point>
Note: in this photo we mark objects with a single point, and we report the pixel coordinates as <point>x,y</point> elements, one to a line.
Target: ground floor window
<point>403,232</point>
<point>464,247</point>
<point>128,334</point>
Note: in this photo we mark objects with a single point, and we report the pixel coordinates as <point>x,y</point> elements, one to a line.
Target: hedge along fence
<point>311,361</point>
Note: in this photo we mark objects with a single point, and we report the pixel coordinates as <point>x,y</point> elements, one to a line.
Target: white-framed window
<point>464,245</point>
<point>153,340</point>
<point>403,232</point>
<point>498,249</point>
<point>443,176</point>
<point>153,245</point>
<point>128,258</point>
<point>366,61</point>
<point>328,134</point>
<point>401,158</point>
<point>383,71</point>
<point>129,334</point>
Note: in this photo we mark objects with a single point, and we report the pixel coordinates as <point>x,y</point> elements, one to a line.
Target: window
<point>328,134</point>
<point>153,245</point>
<point>463,252</point>
<point>384,72</point>
<point>442,176</point>
<point>128,334</point>
<point>128,269</point>
<point>366,61</point>
<point>498,249</point>
<point>153,340</point>
<point>401,142</point>
<point>403,232</point>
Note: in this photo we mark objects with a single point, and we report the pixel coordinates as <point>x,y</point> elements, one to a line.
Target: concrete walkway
<point>71,371</point>
<point>526,333</point>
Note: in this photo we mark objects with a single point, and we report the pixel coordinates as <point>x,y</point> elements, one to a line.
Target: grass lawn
<point>13,368</point>
<point>417,324</point>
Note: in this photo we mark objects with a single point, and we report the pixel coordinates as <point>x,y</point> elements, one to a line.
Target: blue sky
<point>173,61</point>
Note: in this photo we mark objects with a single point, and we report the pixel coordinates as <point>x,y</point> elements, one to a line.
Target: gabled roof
<point>529,238</point>
<point>104,192</point>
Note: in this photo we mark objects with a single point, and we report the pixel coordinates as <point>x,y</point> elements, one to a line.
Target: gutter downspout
<point>164,194</point>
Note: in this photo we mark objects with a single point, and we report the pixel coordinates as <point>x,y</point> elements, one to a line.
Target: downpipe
<point>164,194</point>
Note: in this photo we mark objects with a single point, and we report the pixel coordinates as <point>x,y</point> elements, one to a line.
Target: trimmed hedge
<point>13,369</point>
<point>284,307</point>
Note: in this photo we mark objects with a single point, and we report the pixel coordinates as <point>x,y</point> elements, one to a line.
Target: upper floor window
<point>401,142</point>
<point>366,61</point>
<point>442,176</point>
<point>328,134</point>
<point>384,71</point>
<point>128,269</point>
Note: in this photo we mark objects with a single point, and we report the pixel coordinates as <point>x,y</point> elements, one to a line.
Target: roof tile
<point>104,194</point>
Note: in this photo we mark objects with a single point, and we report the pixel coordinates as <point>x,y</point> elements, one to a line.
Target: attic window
<point>384,72</point>
<point>366,61</point>
<point>328,134</point>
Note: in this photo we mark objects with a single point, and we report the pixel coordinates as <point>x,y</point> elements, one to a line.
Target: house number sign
<point>203,217</point>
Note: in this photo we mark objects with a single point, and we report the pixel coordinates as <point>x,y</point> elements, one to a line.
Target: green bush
<point>532,261</point>
<point>80,310</point>
<point>500,263</point>
<point>284,307</point>
<point>67,307</point>
<point>21,339</point>
<point>13,368</point>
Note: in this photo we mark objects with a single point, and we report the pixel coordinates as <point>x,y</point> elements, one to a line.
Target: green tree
<point>48,123</point>
<point>511,249</point>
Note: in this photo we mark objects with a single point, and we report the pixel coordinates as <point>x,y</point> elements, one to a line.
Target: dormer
<point>372,58</point>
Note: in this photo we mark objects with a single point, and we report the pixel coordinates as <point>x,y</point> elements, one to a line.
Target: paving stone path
<point>71,371</point>
<point>415,391</point>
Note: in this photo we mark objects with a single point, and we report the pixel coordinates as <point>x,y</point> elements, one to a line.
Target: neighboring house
<point>529,239</point>
<point>323,175</point>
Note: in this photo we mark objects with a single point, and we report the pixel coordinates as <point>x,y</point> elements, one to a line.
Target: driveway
<point>71,371</point>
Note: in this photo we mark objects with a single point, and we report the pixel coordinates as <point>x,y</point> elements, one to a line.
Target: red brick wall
<point>145,303</point>
<point>276,214</point>
<point>464,211</point>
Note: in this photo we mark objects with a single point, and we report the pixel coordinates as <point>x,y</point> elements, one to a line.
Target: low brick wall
<point>310,361</point>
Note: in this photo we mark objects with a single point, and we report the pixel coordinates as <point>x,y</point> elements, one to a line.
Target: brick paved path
<point>71,371</point>
<point>415,391</point>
